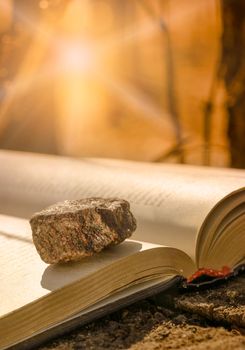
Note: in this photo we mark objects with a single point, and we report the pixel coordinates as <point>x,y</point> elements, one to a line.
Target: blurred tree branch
<point>171,95</point>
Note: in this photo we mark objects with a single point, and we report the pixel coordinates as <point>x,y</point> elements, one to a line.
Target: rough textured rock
<point>225,304</point>
<point>74,229</point>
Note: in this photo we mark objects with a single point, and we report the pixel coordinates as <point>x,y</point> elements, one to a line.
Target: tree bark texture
<point>233,67</point>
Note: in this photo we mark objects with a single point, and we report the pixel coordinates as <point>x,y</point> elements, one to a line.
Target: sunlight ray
<point>45,36</point>
<point>27,73</point>
<point>138,100</point>
<point>30,24</point>
<point>145,30</point>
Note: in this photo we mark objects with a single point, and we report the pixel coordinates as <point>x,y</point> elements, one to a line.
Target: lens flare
<point>74,56</point>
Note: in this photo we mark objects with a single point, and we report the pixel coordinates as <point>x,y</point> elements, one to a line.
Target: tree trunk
<point>233,67</point>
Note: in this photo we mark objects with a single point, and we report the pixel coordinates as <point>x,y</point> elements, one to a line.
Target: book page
<point>24,277</point>
<point>37,296</point>
<point>170,202</point>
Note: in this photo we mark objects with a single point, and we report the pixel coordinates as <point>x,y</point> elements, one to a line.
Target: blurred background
<point>154,80</point>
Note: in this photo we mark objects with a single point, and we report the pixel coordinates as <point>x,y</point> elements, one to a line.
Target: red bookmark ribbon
<point>225,271</point>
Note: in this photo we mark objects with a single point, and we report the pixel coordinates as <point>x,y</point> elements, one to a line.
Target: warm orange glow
<point>107,77</point>
<point>88,78</point>
<point>74,56</point>
<point>5,14</point>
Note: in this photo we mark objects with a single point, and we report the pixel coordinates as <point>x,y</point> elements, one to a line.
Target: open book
<point>188,218</point>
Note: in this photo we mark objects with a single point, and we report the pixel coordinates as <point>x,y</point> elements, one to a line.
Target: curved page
<point>170,202</point>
